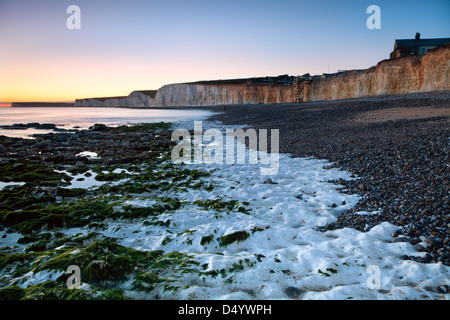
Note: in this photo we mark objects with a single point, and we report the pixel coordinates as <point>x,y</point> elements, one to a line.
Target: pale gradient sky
<point>135,45</point>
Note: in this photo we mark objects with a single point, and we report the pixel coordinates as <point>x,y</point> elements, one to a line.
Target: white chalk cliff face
<point>210,95</point>
<point>429,72</point>
<point>135,99</point>
<point>192,94</point>
<point>138,99</point>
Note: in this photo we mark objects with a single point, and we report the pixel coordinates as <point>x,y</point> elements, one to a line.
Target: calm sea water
<point>68,118</point>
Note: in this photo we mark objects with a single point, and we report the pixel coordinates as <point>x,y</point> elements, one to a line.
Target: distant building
<point>417,46</point>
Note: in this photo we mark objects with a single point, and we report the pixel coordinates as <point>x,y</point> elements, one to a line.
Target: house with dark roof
<point>417,46</point>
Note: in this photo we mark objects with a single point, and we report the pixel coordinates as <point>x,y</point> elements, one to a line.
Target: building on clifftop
<point>417,46</point>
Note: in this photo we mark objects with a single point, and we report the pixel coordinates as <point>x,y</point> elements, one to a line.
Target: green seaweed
<point>21,197</point>
<point>112,176</point>
<point>52,290</point>
<point>35,173</point>
<point>164,271</point>
<point>237,237</point>
<point>206,239</point>
<point>147,281</point>
<point>17,264</point>
<point>329,272</point>
<point>103,260</point>
<point>235,267</point>
<point>142,127</point>
<point>223,206</point>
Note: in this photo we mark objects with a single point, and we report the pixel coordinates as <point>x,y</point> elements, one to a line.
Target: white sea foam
<point>6,184</point>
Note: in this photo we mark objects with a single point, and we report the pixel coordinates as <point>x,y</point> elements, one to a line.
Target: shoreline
<point>401,160</point>
<point>440,94</point>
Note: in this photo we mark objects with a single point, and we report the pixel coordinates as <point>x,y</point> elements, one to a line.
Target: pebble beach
<point>398,146</point>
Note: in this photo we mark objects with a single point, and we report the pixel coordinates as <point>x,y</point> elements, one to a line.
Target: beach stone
<point>293,292</point>
<point>72,244</point>
<point>269,181</point>
<point>443,289</point>
<point>421,248</point>
<point>98,127</point>
<point>47,126</point>
<point>400,239</point>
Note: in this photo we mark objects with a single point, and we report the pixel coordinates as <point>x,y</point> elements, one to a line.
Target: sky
<point>129,45</point>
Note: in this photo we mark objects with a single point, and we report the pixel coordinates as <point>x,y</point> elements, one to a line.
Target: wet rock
<point>48,126</point>
<point>421,248</point>
<point>98,127</point>
<point>269,181</point>
<point>293,292</point>
<point>443,289</point>
<point>400,239</point>
<point>72,244</point>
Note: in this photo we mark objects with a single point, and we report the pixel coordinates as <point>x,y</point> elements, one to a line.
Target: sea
<point>83,118</point>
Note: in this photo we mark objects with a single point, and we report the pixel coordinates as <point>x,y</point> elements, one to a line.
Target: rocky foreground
<point>48,190</point>
<point>398,146</point>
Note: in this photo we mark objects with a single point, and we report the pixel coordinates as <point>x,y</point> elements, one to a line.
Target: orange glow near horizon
<point>55,81</point>
<point>59,81</point>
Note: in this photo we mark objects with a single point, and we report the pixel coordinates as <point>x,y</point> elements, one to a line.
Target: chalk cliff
<point>135,99</point>
<point>213,94</point>
<point>199,94</point>
<point>430,72</point>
